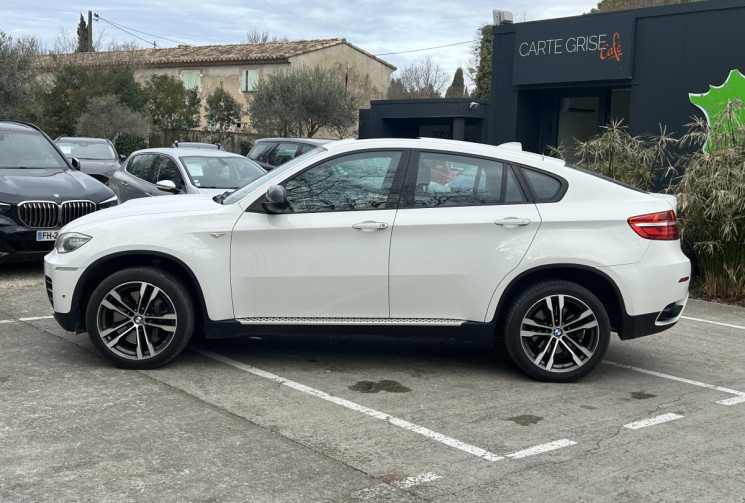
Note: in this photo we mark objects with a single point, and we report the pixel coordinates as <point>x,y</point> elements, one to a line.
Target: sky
<point>394,31</point>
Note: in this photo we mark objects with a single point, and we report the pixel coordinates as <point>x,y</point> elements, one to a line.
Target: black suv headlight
<point>4,208</point>
<point>112,201</point>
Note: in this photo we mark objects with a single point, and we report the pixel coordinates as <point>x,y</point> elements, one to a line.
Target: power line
<point>428,48</point>
<point>125,28</point>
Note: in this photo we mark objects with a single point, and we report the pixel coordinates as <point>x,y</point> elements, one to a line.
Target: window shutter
<point>249,80</point>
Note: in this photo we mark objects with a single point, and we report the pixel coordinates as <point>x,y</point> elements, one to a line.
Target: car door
<point>463,224</point>
<point>326,256</point>
<point>132,182</point>
<point>165,168</point>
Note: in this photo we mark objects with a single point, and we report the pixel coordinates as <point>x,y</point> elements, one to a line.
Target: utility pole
<point>90,31</point>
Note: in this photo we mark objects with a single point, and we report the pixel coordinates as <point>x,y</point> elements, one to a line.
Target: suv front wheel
<point>557,331</point>
<point>140,318</point>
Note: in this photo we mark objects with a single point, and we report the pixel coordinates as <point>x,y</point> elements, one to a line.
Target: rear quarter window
<point>546,188</point>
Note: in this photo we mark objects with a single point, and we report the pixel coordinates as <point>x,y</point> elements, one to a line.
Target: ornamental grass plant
<point>705,170</point>
<point>711,203</point>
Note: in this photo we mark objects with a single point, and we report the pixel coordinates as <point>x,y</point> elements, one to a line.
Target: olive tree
<point>171,107</point>
<point>17,77</point>
<point>222,110</point>
<point>301,101</point>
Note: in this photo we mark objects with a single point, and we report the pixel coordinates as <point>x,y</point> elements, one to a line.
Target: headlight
<point>70,241</point>
<point>4,208</point>
<point>112,201</point>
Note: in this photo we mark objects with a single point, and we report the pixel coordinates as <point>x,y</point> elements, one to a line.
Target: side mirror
<point>75,163</point>
<point>276,199</point>
<point>167,186</point>
<point>122,157</point>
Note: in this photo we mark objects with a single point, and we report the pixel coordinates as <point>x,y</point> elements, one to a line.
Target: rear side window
<point>545,188</point>
<point>445,179</point>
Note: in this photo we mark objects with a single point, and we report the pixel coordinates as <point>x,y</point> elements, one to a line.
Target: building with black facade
<point>562,79</point>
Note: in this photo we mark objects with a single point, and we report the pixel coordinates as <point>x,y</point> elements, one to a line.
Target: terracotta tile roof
<point>205,55</point>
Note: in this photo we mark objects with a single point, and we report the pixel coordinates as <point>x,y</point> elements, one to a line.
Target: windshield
<point>28,150</point>
<point>100,151</point>
<point>220,172</point>
<point>274,174</point>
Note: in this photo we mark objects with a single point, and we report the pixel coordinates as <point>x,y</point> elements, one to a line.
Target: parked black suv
<point>272,152</point>
<point>40,191</point>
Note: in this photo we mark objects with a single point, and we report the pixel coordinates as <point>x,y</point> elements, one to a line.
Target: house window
<point>190,79</point>
<point>249,80</point>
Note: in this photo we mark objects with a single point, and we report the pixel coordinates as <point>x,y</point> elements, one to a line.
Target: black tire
<point>556,331</point>
<point>140,335</point>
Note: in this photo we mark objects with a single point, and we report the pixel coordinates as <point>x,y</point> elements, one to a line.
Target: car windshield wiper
<point>221,197</point>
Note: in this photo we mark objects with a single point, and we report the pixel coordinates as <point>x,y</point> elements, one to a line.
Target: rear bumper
<point>633,327</point>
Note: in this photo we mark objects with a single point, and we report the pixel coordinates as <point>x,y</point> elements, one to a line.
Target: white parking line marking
<point>377,493</point>
<point>415,481</point>
<point>713,322</point>
<point>540,449</point>
<point>652,421</point>
<point>34,318</point>
<point>730,401</point>
<point>401,423</point>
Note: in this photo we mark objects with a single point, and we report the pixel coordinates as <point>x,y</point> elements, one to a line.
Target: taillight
<point>660,226</point>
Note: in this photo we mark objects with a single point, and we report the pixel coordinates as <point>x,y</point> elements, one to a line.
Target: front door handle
<point>369,225</point>
<point>512,222</point>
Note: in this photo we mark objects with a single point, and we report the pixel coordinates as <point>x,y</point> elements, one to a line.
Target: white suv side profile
<point>382,234</point>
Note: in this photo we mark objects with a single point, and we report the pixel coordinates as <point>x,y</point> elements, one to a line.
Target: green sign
<point>713,102</point>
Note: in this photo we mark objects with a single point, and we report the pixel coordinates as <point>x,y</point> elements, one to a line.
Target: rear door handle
<point>368,226</point>
<point>512,222</point>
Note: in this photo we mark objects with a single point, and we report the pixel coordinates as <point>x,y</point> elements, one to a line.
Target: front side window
<point>445,179</point>
<point>165,168</point>
<point>284,152</point>
<point>360,181</point>
<point>140,165</point>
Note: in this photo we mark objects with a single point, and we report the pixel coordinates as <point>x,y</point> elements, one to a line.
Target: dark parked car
<point>272,152</point>
<point>97,156</point>
<point>40,191</point>
<point>163,171</point>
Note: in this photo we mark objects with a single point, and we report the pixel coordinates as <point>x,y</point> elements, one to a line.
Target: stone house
<point>239,67</point>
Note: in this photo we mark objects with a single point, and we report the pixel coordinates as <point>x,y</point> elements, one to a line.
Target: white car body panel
<point>120,230</point>
<point>445,262</point>
<point>301,265</point>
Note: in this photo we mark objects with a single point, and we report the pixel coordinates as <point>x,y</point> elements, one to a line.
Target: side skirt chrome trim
<point>353,321</point>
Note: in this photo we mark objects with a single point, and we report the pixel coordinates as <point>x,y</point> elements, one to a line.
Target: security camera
<point>473,105</point>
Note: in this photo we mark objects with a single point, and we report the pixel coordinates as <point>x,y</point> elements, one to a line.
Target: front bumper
<point>18,243</point>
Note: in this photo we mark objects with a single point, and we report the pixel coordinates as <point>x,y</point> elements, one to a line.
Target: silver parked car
<point>163,171</point>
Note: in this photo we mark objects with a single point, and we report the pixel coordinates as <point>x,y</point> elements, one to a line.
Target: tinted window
<point>353,182</point>
<point>283,153</point>
<point>165,168</point>
<point>545,187</point>
<point>445,179</point>
<point>258,150</point>
<point>139,166</point>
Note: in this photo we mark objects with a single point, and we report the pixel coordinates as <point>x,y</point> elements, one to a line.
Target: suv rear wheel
<point>557,331</point>
<point>140,318</point>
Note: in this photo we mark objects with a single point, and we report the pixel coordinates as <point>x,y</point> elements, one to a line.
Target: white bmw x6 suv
<point>383,234</point>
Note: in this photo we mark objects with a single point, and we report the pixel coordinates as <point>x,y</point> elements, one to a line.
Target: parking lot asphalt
<point>366,418</point>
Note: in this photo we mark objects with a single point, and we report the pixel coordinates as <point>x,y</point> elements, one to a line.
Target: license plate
<point>46,235</point>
